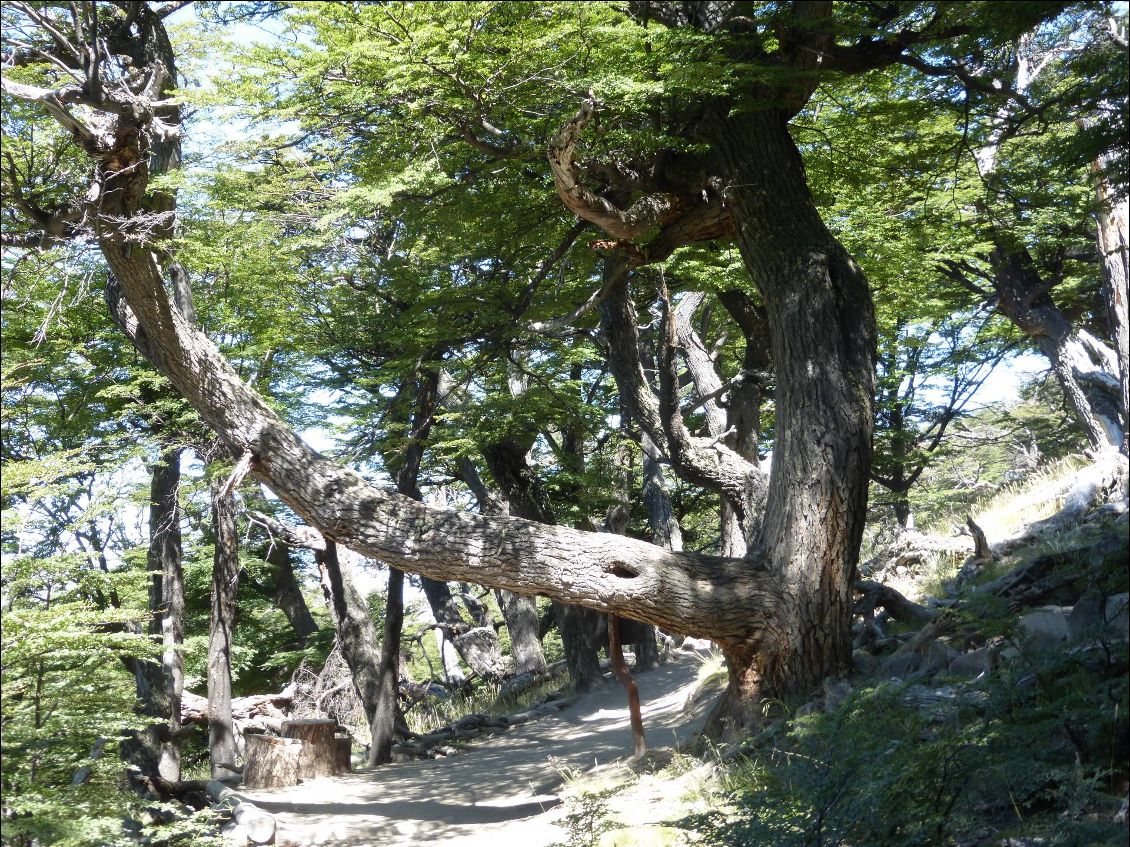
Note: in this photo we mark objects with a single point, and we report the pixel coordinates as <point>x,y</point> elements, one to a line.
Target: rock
<point>1046,628</point>
<point>864,663</point>
<point>1095,614</point>
<point>836,691</point>
<point>972,664</point>
<point>697,645</point>
<point>900,664</point>
<point>810,708</point>
<point>937,656</point>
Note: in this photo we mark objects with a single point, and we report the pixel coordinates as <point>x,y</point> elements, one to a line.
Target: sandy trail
<point>500,791</point>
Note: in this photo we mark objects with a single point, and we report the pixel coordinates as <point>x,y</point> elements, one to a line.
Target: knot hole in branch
<point>621,569</point>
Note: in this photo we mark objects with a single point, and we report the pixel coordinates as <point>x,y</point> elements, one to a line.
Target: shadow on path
<point>497,791</point>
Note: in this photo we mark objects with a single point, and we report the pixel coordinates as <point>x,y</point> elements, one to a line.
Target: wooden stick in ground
<point>981,550</point>
<point>620,666</point>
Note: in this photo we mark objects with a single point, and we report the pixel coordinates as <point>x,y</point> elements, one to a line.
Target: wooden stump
<point>343,754</point>
<point>319,751</point>
<point>271,762</point>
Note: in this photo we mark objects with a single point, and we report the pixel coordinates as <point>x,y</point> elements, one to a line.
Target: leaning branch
<point>718,598</point>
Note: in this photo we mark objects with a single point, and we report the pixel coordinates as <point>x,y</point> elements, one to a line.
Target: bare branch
<point>53,102</point>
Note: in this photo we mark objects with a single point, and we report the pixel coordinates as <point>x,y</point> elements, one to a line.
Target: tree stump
<point>271,762</point>
<point>319,751</point>
<point>343,754</point>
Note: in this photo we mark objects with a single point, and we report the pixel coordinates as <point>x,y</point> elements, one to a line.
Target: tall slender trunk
<point>421,390</point>
<point>164,557</point>
<point>154,750</point>
<point>1112,219</point>
<point>225,584</point>
<point>823,338</point>
<point>386,716</point>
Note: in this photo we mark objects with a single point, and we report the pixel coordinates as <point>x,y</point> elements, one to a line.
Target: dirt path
<point>501,791</point>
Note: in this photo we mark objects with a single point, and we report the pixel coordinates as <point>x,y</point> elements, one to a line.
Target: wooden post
<point>620,667</point>
<point>318,747</point>
<point>271,762</point>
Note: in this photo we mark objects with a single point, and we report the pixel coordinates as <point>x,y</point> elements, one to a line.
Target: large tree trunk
<point>222,746</point>
<point>823,338</point>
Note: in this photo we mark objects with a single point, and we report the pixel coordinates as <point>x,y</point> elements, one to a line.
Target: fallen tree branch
<point>897,606</point>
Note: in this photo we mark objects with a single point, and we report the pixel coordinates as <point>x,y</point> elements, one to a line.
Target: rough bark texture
<point>164,558</point>
<point>225,584</point>
<point>1112,219</point>
<point>352,624</point>
<point>1086,369</point>
<point>822,338</point>
<point>519,612</point>
<point>705,461</point>
<point>319,747</point>
<point>272,762</point>
<point>579,627</point>
<point>384,722</point>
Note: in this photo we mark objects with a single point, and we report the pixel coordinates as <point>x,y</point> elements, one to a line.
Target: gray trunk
<point>1112,219</point>
<point>519,612</point>
<point>287,591</point>
<point>353,625</point>
<point>154,749</point>
<point>1086,369</point>
<point>225,584</point>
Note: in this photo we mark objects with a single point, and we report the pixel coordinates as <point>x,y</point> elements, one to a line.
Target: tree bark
<point>1085,368</point>
<point>1112,219</point>
<point>384,723</point>
<point>225,584</point>
<point>287,591</point>
<point>579,627</point>
<point>155,749</point>
<point>822,334</point>
<point>352,624</point>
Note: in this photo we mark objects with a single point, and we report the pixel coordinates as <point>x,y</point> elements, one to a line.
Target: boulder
<point>1046,628</point>
<point>864,663</point>
<point>972,664</point>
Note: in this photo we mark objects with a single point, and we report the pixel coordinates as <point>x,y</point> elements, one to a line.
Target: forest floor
<point>506,789</point>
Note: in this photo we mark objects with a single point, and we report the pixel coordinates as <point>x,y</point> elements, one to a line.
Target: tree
<point>727,167</point>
